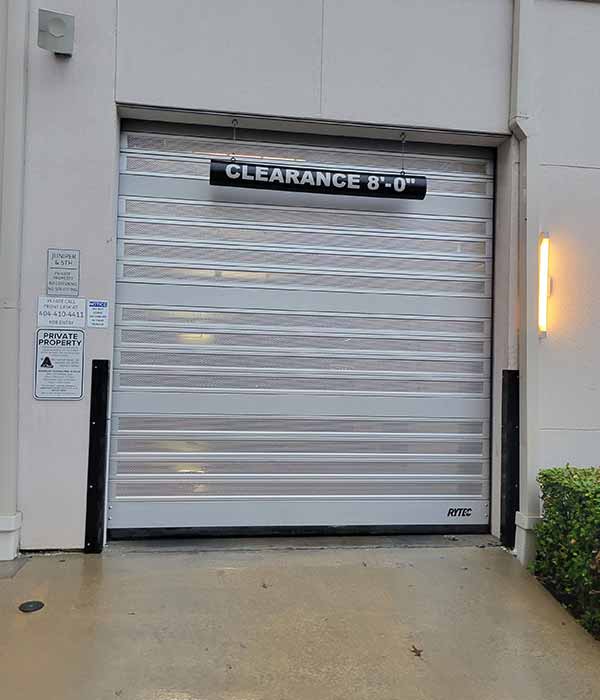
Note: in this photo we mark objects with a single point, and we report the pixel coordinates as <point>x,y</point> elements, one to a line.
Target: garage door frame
<point>170,129</point>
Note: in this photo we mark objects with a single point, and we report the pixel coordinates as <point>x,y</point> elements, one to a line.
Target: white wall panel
<point>569,371</point>
<point>260,57</point>
<point>577,447</point>
<point>432,63</point>
<point>70,202</point>
<point>565,108</point>
<point>567,97</point>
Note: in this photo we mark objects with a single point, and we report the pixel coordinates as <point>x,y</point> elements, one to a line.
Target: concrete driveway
<point>372,618</point>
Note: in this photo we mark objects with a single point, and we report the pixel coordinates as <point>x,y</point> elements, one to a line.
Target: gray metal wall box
<point>55,32</point>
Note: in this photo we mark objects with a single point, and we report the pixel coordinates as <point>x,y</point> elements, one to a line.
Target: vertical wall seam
<point>3,101</point>
<point>322,57</point>
<point>24,142</point>
<point>116,51</point>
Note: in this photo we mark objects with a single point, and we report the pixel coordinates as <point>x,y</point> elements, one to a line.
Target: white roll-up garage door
<point>287,359</point>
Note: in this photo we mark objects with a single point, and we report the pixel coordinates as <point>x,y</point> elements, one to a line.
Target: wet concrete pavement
<point>289,620</point>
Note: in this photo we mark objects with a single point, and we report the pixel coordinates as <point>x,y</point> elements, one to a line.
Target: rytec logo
<point>459,512</point>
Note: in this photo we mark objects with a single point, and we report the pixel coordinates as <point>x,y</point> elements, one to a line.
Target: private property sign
<point>59,364</point>
<point>316,180</point>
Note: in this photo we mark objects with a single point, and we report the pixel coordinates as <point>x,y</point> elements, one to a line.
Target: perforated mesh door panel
<point>211,211</point>
<point>345,240</point>
<point>281,382</point>
<point>208,319</point>
<point>186,168</point>
<point>264,354</point>
<point>394,465</point>
<point>257,259</point>
<point>205,148</point>
<point>334,343</point>
<point>167,274</point>
<point>200,490</point>
<point>353,426</point>
<point>380,365</point>
<point>304,445</point>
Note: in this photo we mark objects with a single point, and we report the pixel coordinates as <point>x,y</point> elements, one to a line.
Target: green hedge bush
<point>568,541</point>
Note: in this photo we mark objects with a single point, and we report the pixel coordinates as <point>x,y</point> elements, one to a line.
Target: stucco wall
<point>567,110</point>
<point>434,63</point>
<point>70,202</point>
<point>11,168</point>
<point>439,63</point>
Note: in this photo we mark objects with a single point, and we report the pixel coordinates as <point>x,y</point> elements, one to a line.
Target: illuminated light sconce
<point>544,283</point>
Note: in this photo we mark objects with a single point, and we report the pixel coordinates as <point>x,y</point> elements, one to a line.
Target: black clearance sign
<point>263,176</point>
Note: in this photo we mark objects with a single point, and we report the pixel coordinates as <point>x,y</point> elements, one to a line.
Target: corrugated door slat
<point>295,360</point>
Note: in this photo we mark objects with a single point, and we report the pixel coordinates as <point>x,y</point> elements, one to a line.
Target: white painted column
<point>523,125</point>
<point>506,304</point>
<point>13,44</point>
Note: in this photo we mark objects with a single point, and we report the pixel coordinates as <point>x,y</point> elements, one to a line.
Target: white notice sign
<point>97,313</point>
<point>59,364</point>
<point>61,312</point>
<point>63,272</point>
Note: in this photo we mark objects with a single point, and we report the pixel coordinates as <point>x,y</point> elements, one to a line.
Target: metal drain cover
<point>30,606</point>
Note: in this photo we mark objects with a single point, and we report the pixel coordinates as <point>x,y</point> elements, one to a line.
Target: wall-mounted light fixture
<point>543,283</point>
